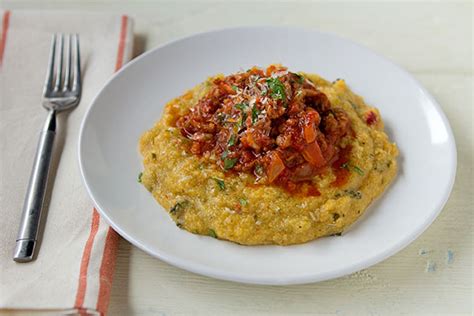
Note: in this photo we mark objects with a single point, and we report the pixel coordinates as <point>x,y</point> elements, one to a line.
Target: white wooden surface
<point>433,41</point>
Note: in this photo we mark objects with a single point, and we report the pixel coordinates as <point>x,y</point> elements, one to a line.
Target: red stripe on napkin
<point>86,255</point>
<point>107,266</point>
<point>121,46</point>
<point>107,269</point>
<point>3,41</point>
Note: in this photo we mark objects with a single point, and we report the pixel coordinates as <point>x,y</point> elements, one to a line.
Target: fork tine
<point>76,85</point>
<point>67,71</point>
<point>49,75</point>
<point>59,66</point>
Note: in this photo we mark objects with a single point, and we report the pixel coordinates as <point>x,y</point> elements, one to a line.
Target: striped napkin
<point>73,271</point>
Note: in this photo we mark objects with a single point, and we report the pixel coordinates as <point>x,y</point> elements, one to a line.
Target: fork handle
<point>33,204</point>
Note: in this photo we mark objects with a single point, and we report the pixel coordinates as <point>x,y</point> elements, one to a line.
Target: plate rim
<point>282,280</point>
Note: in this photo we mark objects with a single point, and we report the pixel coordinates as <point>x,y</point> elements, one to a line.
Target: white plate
<point>133,100</point>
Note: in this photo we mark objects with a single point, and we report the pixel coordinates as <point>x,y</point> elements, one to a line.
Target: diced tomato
<point>275,167</point>
<point>312,154</point>
<point>227,88</point>
<point>249,140</point>
<point>312,116</point>
<point>312,119</point>
<point>309,133</point>
<point>371,118</point>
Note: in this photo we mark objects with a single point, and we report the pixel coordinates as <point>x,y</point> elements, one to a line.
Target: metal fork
<point>62,91</point>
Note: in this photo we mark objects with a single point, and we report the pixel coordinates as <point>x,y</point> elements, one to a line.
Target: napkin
<point>74,267</point>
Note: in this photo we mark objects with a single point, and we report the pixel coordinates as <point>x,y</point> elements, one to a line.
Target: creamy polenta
<point>267,157</point>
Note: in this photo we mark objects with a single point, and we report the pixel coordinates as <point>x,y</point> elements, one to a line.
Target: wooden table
<point>432,276</point>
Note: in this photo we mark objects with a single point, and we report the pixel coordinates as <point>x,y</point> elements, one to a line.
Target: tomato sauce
<point>340,167</point>
<point>272,123</point>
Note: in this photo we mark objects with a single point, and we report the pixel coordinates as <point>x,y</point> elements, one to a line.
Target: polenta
<point>267,156</point>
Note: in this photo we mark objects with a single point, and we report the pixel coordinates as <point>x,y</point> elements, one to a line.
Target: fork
<point>62,91</point>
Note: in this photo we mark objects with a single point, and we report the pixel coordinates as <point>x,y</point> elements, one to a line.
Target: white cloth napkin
<point>75,263</point>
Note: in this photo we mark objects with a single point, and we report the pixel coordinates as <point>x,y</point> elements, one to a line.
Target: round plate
<point>134,98</point>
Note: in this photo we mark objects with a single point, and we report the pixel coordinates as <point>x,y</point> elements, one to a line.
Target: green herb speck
<point>277,89</point>
<point>259,170</point>
<point>221,117</point>
<point>140,177</point>
<point>241,106</point>
<point>243,201</point>
<point>220,183</point>
<point>358,170</point>
<point>178,207</point>
<point>225,153</point>
<point>300,77</point>
<point>354,194</point>
<point>354,106</point>
<point>231,140</point>
<point>255,113</point>
<point>242,119</point>
<point>234,88</point>
<point>212,233</point>
<point>229,163</point>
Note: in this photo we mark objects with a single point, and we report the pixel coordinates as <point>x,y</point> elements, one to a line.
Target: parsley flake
<point>221,117</point>
<point>277,88</point>
<point>354,194</point>
<point>259,170</point>
<point>241,106</point>
<point>243,202</point>
<point>255,113</point>
<point>229,163</point>
<point>140,177</point>
<point>220,183</point>
<point>232,139</point>
<point>178,207</point>
<point>212,233</point>
<point>242,119</point>
<point>358,170</point>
